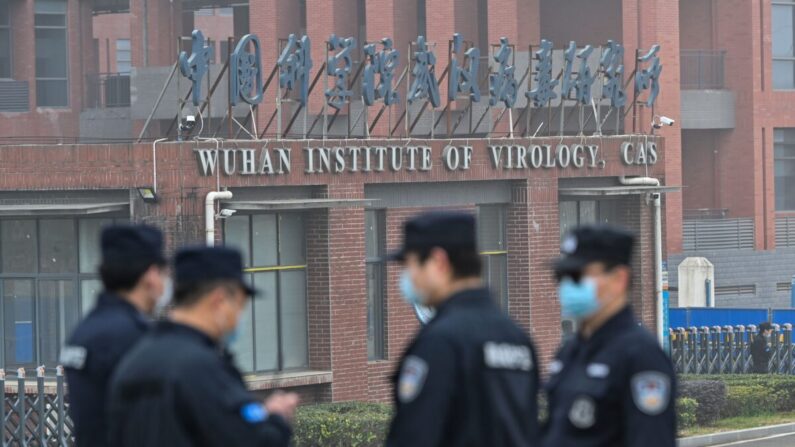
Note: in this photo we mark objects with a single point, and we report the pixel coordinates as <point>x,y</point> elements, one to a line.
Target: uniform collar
<point>114,300</point>
<point>171,327</point>
<point>478,296</point>
<point>615,325</point>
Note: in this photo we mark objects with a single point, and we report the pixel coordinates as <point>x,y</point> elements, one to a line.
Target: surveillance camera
<point>224,213</point>
<point>664,120</point>
<point>655,196</point>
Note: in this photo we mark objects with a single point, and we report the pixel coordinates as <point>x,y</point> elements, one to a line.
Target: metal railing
<point>702,69</point>
<point>727,350</point>
<point>35,414</point>
<point>105,90</point>
<point>718,234</point>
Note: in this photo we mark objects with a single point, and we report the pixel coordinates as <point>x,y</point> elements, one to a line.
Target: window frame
<point>66,80</point>
<point>490,255</point>
<point>36,277</point>
<point>7,27</point>
<point>789,59</point>
<point>278,268</point>
<point>777,158</point>
<point>128,61</point>
<point>377,261</point>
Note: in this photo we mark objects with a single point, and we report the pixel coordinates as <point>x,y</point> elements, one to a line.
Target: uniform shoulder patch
<point>253,413</point>
<point>412,378</point>
<point>73,357</point>
<point>651,392</point>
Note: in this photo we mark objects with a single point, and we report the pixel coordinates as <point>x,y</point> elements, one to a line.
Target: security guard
<point>178,386</point>
<point>610,385</point>
<point>470,376</point>
<point>760,348</point>
<point>133,274</point>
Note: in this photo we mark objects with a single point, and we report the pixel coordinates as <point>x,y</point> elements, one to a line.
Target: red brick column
<point>164,25</point>
<point>544,241</point>
<point>657,22</point>
<point>637,216</point>
<point>347,295</point>
<point>518,240</point>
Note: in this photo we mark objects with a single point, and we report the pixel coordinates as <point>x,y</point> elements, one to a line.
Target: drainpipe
<point>154,162</point>
<point>653,199</point>
<point>209,213</point>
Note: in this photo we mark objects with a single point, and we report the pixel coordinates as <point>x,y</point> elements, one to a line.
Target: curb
<point>735,436</point>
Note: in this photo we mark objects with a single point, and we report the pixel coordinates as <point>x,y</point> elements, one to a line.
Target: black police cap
<point>207,264</point>
<point>600,243</point>
<point>122,244</point>
<point>446,230</point>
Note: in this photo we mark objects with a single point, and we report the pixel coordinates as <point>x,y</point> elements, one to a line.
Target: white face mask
<point>164,300</point>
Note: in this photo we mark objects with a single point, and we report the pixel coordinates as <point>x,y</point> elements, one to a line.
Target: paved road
<point>773,441</point>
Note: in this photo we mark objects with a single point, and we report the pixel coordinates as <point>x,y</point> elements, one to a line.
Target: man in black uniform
<point>611,385</point>
<point>469,378</point>
<point>178,387</point>
<point>133,274</point>
<point>760,348</point>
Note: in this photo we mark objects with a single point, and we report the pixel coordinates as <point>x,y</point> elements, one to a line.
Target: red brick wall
<point>108,28</point>
<point>585,21</point>
<point>335,239</point>
<point>696,28</point>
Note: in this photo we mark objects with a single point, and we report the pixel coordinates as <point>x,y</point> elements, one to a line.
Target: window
<point>422,25</point>
<point>52,86</point>
<point>493,250</point>
<point>123,56</point>
<point>375,246</point>
<point>48,280</point>
<point>575,213</point>
<point>5,40</point>
<point>783,39</point>
<point>784,159</point>
<point>274,327</point>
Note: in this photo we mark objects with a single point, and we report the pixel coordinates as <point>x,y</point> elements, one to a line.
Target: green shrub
<point>752,400</point>
<point>710,396</point>
<point>686,411</point>
<point>344,424</point>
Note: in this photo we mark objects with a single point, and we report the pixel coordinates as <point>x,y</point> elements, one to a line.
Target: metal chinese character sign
<point>245,72</point>
<point>502,84</point>
<point>294,63</point>
<point>339,67</point>
<point>195,66</point>
<point>584,81</point>
<point>649,78</point>
<point>382,63</point>
<point>612,66</point>
<point>544,90</point>
<point>425,85</point>
<point>463,79</point>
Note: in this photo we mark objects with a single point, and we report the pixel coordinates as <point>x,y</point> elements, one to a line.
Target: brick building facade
<point>330,356</point>
<point>728,151</point>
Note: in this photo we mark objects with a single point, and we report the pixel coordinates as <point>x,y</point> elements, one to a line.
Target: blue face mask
<point>231,337</point>
<point>408,291</point>
<point>578,300</point>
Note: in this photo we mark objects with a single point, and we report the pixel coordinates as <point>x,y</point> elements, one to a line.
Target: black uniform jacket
<point>469,378</point>
<point>615,389</point>
<point>178,388</point>
<point>760,352</point>
<point>91,355</point>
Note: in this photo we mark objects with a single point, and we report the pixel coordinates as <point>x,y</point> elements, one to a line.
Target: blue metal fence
<point>722,316</point>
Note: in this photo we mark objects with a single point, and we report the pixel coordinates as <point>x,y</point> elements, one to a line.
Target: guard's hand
<point>283,404</point>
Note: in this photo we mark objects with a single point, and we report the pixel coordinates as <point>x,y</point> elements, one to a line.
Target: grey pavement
<point>786,440</point>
